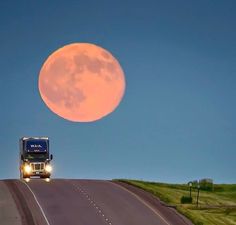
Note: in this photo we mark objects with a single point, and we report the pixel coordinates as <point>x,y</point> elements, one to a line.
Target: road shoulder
<point>169,213</point>
<point>27,207</point>
<point>9,213</point>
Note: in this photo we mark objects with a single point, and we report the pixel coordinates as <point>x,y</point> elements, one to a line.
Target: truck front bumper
<point>39,169</point>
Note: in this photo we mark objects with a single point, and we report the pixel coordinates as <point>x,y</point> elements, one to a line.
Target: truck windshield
<point>36,156</point>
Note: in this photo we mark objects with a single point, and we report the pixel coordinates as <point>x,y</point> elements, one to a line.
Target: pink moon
<point>81,82</point>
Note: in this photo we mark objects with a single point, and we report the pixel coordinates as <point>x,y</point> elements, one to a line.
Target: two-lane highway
<point>91,203</point>
<point>63,204</point>
<point>87,202</point>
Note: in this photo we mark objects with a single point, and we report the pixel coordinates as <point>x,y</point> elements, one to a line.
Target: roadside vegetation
<point>216,207</point>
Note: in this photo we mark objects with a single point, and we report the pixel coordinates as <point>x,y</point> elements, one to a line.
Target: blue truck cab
<point>35,160</point>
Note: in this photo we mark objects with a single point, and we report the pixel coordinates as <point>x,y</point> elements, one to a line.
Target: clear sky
<point>176,121</point>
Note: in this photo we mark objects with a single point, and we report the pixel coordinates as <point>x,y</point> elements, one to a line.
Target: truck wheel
<point>25,176</point>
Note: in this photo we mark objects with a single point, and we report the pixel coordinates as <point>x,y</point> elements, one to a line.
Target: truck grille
<point>37,166</point>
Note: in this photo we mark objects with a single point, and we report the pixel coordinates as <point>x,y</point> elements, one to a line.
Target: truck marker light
<point>47,179</point>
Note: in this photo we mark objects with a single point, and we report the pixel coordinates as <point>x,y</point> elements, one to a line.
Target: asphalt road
<point>9,214</point>
<point>85,202</point>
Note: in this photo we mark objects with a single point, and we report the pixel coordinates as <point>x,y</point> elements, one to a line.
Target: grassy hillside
<point>216,207</point>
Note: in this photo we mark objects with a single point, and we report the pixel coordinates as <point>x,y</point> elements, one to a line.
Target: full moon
<point>81,82</point>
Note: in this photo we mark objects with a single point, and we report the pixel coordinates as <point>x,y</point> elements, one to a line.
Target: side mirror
<point>51,156</point>
<point>21,157</point>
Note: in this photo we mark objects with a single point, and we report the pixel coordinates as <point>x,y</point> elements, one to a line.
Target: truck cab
<point>35,160</point>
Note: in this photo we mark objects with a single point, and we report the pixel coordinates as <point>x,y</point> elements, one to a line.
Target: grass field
<point>216,207</point>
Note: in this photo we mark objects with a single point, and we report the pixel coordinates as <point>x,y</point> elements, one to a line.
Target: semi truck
<point>35,160</point>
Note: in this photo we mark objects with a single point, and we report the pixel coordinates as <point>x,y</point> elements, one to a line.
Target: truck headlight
<point>48,168</point>
<point>27,168</point>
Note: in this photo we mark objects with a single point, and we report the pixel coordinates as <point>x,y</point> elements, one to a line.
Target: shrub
<point>186,200</point>
<point>206,184</point>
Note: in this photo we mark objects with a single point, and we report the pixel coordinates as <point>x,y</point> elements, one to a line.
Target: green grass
<point>216,207</point>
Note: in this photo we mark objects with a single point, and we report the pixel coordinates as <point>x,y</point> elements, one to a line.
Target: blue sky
<point>176,121</point>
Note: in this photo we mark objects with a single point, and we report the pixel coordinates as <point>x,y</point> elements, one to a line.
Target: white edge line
<point>41,209</point>
<point>144,202</point>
